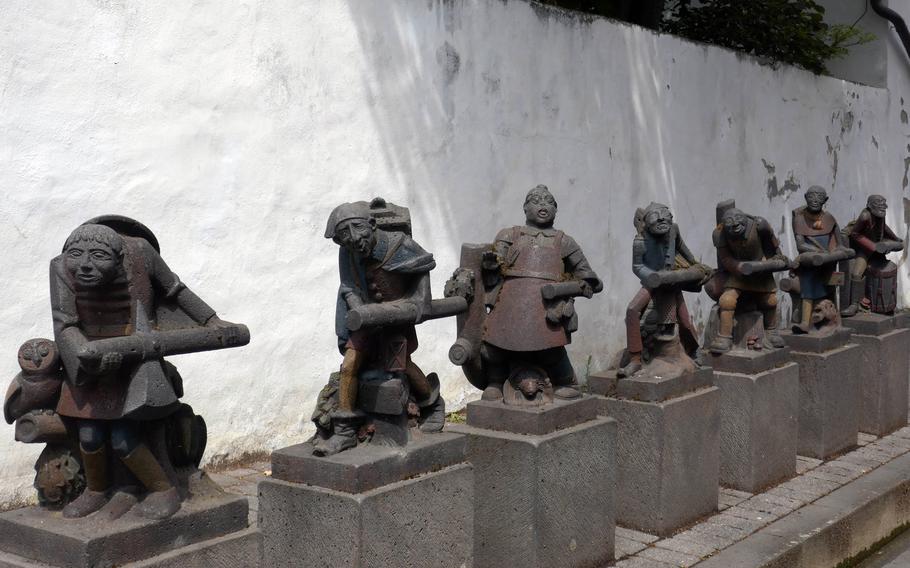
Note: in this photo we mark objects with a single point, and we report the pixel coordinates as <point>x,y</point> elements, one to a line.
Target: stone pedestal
<point>370,506</point>
<point>759,408</point>
<point>668,447</point>
<point>544,482</point>
<point>884,374</point>
<point>829,392</point>
<point>209,530</point>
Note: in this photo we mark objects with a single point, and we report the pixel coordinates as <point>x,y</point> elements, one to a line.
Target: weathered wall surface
<point>233,128</point>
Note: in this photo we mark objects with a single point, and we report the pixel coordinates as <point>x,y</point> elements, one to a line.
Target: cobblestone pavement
<point>739,514</point>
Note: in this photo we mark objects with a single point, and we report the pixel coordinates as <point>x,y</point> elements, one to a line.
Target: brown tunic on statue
<point>532,257</point>
<point>759,244</point>
<point>103,313</point>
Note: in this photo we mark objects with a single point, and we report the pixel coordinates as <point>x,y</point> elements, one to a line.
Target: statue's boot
<point>805,320</point>
<point>721,344</point>
<point>568,390</point>
<point>857,291</point>
<point>432,407</point>
<point>772,339</point>
<point>633,367</point>
<point>493,392</point>
<point>162,499</point>
<point>95,495</point>
<point>344,434</point>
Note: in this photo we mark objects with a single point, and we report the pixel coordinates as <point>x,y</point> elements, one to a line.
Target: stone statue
<point>384,293</point>
<point>102,387</point>
<point>748,255</point>
<point>512,340</point>
<point>820,245</point>
<point>873,278</point>
<point>665,266</point>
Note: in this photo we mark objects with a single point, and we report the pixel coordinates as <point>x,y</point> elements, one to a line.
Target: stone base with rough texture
<point>531,420</point>
<point>758,427</point>
<point>829,393</point>
<point>883,382</point>
<point>41,538</point>
<point>668,456</point>
<point>545,500</point>
<point>423,521</point>
<point>370,506</point>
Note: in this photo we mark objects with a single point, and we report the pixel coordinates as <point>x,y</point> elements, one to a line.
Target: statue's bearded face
<point>659,221</point>
<point>92,263</point>
<point>878,207</point>
<point>815,200</point>
<point>735,223</point>
<point>540,209</point>
<point>356,235</point>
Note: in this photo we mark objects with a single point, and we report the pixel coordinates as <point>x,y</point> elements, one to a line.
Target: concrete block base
<point>543,500</point>
<point>758,427</point>
<point>829,395</point>
<point>884,375</point>
<point>36,537</point>
<point>668,455</point>
<point>370,506</point>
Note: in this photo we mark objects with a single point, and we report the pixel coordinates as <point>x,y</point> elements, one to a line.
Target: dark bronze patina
<point>658,326</point>
<point>748,255</point>
<point>384,294</point>
<point>873,278</point>
<point>521,291</point>
<point>820,245</point>
<point>102,389</point>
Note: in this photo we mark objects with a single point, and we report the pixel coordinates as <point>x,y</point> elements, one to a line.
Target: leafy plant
<point>789,31</point>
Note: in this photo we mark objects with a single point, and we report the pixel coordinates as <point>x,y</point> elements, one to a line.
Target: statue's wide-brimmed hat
<point>126,226</point>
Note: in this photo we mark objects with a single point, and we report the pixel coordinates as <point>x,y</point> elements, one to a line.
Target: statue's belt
<point>532,274</point>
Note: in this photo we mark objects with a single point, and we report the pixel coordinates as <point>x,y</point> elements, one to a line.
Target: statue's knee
<point>727,301</point>
<point>124,440</point>
<point>91,437</point>
<point>771,301</point>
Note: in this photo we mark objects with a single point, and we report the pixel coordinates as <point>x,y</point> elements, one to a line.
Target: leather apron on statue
<point>518,321</point>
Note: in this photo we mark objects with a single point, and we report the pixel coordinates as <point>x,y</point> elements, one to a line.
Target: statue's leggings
<point>124,435</point>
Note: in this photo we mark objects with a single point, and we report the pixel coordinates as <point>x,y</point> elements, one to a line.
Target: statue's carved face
<point>356,235</point>
<point>540,209</point>
<point>734,222</point>
<point>878,206</point>
<point>659,221</point>
<point>37,355</point>
<point>815,200</point>
<point>91,263</point>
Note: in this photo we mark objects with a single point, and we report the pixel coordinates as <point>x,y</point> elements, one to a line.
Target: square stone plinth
<point>542,501</point>
<point>884,374</point>
<point>750,361</point>
<point>42,538</point>
<point>829,393</point>
<point>668,454</point>
<point>368,466</point>
<point>758,427</point>
<point>370,506</point>
<point>536,420</point>
<point>423,521</point>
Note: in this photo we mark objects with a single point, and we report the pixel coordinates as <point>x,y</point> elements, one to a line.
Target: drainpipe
<point>896,20</point>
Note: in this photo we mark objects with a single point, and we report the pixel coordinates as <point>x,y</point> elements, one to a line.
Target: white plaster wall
<point>232,128</point>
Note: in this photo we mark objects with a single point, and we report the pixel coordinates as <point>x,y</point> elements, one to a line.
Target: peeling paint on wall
<point>773,188</point>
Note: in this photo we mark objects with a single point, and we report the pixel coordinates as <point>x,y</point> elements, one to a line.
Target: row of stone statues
<point>107,405</point>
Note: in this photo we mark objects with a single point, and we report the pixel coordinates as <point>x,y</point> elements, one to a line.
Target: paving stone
<point>811,486</point>
<point>865,462</point>
<point>750,514</point>
<point>700,549</point>
<point>224,480</point>
<point>241,473</point>
<point>248,489</point>
<point>636,562</point>
<point>864,438</point>
<point>741,495</point>
<point>804,464</point>
<point>800,496</point>
<point>841,463</point>
<point>763,507</point>
<point>637,536</point>
<point>780,500</point>
<point>624,547</point>
<point>671,557</point>
<point>714,541</point>
<point>842,468</point>
<point>726,501</point>
<point>718,529</point>
<point>829,476</point>
<point>749,525</point>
